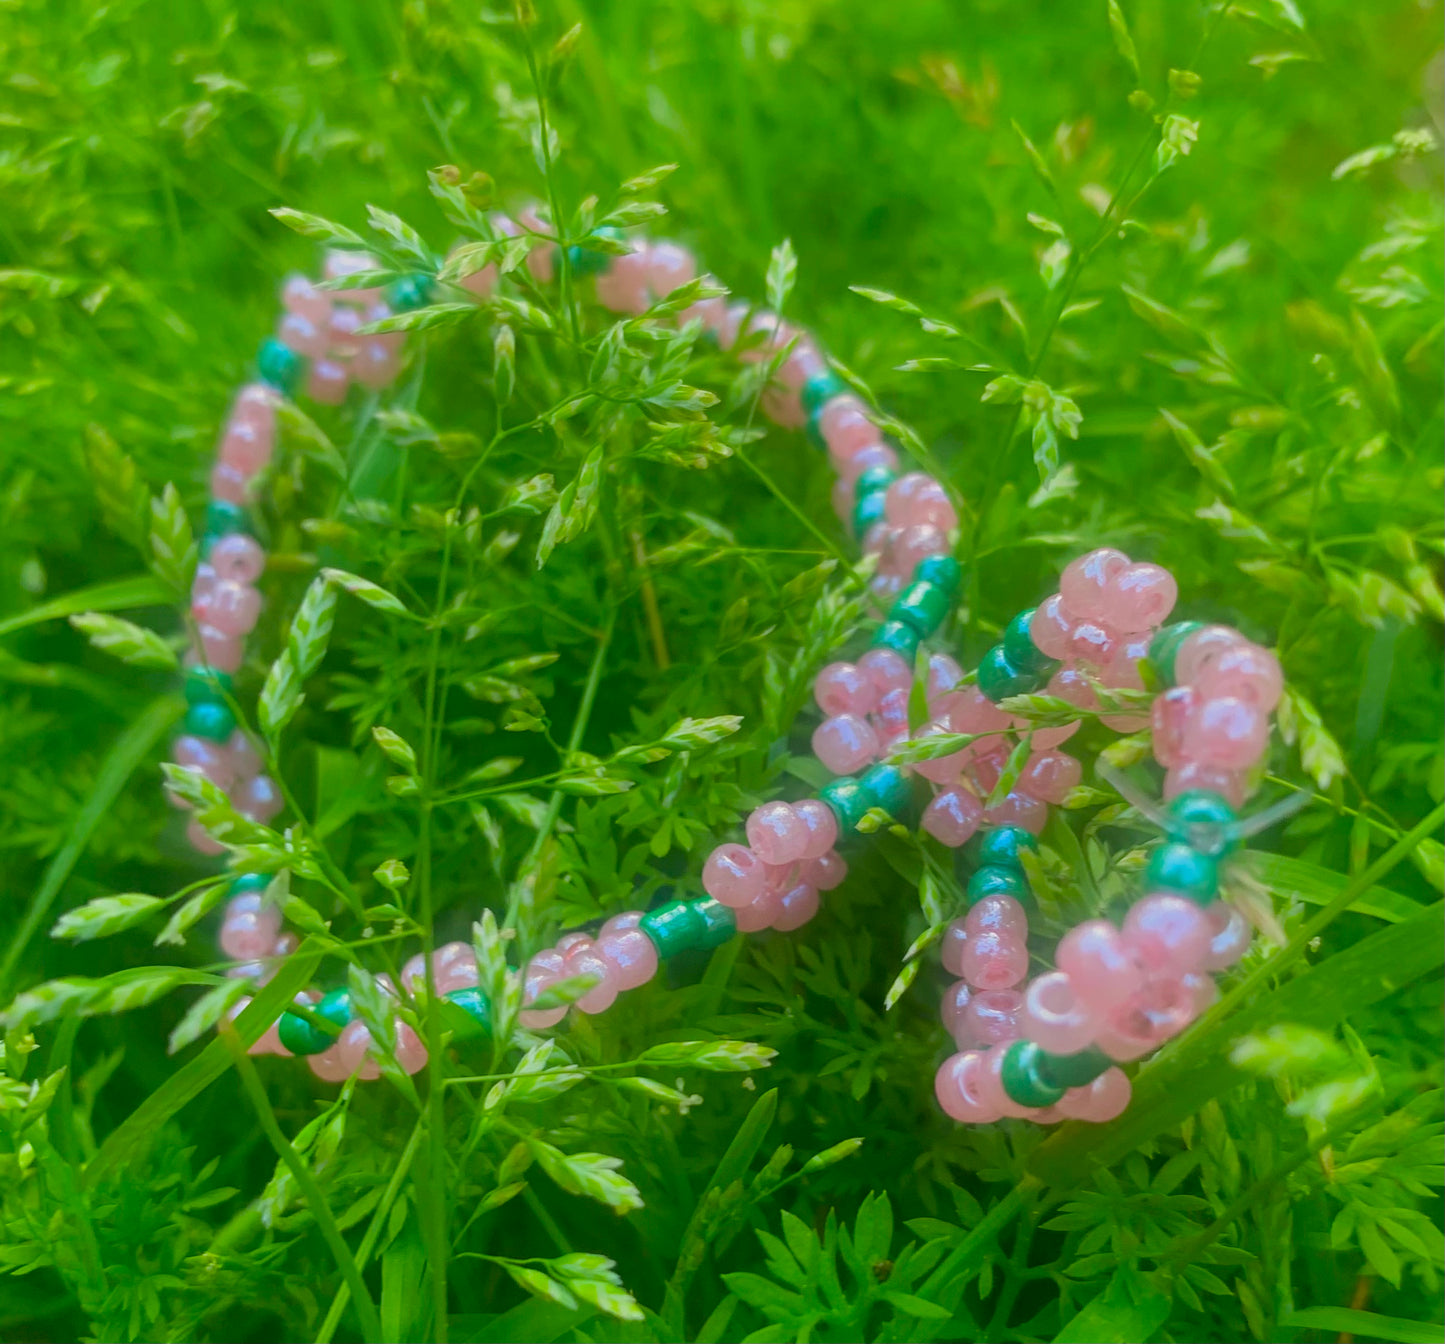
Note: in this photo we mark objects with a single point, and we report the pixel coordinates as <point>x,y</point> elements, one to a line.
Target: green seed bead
<point>942,570</point>
<point>223,518</point>
<point>874,481</point>
<point>300,1037</point>
<point>279,366</point>
<point>922,605</point>
<point>1019,647</point>
<point>997,881</point>
<point>468,1012</point>
<point>998,678</point>
<point>819,390</point>
<point>899,636</point>
<point>588,261</point>
<point>719,924</point>
<point>412,291</point>
<point>886,786</point>
<point>212,719</point>
<point>335,1006</point>
<point>248,882</point>
<point>1164,647</point>
<point>673,928</point>
<point>1178,868</point>
<point>1077,1070</point>
<point>205,684</point>
<point>868,510</point>
<point>1204,821</point>
<point>999,846</point>
<point>845,796</point>
<point>1020,1075</point>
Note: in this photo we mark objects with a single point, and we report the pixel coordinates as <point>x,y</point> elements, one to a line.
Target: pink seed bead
<point>543,971</point>
<point>329,1066</point>
<point>1244,671</point>
<point>918,498</point>
<point>1157,1012</point>
<point>712,313</point>
<point>623,287</point>
<point>973,712</point>
<point>233,608</point>
<point>992,1017</point>
<point>845,743</point>
<point>479,283</point>
<point>1084,582</point>
<point>824,873</point>
<point>568,941</point>
<point>229,484</point>
<point>953,816</point>
<point>804,361</point>
<point>1202,990</point>
<point>247,444</point>
<point>1046,739</point>
<point>732,324</point>
<point>1070,684</point>
<point>951,946</point>
<point>286,944</point>
<point>888,671</point>
<point>952,1007</point>
<point>237,558</point>
<point>943,676</point>
<point>457,975</point>
<point>842,688</point>
<point>354,1052</point>
<point>201,840</point>
<point>1100,965</point>
<point>631,954</point>
<point>941,769</point>
<point>915,544</point>
<point>776,834</point>
<point>1053,1016</point>
<point>244,756</point>
<point>822,826</point>
<point>1050,776</point>
<point>1170,715</point>
<point>1202,648</point>
<point>1168,934</point>
<point>669,267</point>
<point>1051,626</point>
<point>628,919</point>
<point>958,1087</point>
<point>778,877</point>
<point>341,330</point>
<point>326,382</point>
<point>997,914</point>
<point>783,408</point>
<point>1105,1099</point>
<point>413,974</point>
<point>994,960</point>
<point>1093,643</point>
<point>300,296</point>
<point>891,716</point>
<point>1227,732</point>
<point>761,913</point>
<point>410,1052</point>
<point>1122,669</point>
<point>257,798</point>
<point>248,903</point>
<point>733,875</point>
<point>375,364</point>
<point>339,263</point>
<point>250,934</point>
<point>589,961</point>
<point>299,333</point>
<point>1139,597</point>
<point>1228,784</point>
<point>219,650</point>
<point>796,907</point>
<point>1019,809</point>
<point>865,459</point>
<point>207,758</point>
<point>845,426</point>
<point>1230,936</point>
<point>991,1091</point>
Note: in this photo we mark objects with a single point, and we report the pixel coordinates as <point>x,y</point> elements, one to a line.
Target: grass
<point>1179,273</point>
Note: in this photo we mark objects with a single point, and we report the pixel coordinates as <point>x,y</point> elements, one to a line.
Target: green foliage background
<point>1252,339</point>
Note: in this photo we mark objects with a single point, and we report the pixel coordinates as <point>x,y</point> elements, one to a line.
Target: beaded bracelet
<point>1116,995</point>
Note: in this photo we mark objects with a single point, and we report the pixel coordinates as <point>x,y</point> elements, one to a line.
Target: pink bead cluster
<point>773,881</point>
<point>621,957</point>
<point>234,767</point>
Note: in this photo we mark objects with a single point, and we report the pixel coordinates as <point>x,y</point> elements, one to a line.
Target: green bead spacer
<point>922,605</point>
<point>899,636</point>
<point>211,719</point>
<point>868,510</point>
<point>886,786</point>
<point>1019,647</point>
<point>845,796</point>
<point>999,846</point>
<point>206,684</point>
<point>588,261</point>
<point>819,390</point>
<point>1204,821</point>
<point>942,570</point>
<point>719,924</point>
<point>874,481</point>
<point>468,1012</point>
<point>279,366</point>
<point>673,928</point>
<point>995,880</point>
<point>334,1007</point>
<point>1178,868</point>
<point>411,291</point>
<point>1076,1070</point>
<point>1020,1075</point>
<point>998,678</point>
<point>224,518</point>
<point>248,882</point>
<point>1164,647</point>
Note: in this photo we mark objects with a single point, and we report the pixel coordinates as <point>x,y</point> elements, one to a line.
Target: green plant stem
<point>311,1192</point>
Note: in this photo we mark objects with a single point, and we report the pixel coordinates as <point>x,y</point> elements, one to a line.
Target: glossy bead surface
<point>821,824</point>
<point>796,907</point>
<point>673,928</point>
<point>733,875</point>
<point>1099,964</point>
<point>953,816</point>
<point>716,924</point>
<point>942,570</point>
<point>1168,934</point>
<point>998,678</point>
<point>845,743</point>
<point>776,834</point>
<point>279,366</point>
<point>922,605</point>
<point>824,873</point>
<point>1050,627</point>
<point>957,1088</point>
<point>1178,868</point>
<point>1105,1099</point>
<point>846,798</point>
<point>1139,597</point>
<point>994,959</point>
<point>898,637</point>
<point>887,670</point>
<point>1076,1068</point>
<point>1000,846</point>
<point>631,954</point>
<point>1022,1079</point>
<point>1227,732</point>
<point>1019,647</point>
<point>1164,647</point>
<point>888,787</point>
<point>211,720</point>
<point>1204,820</point>
<point>991,1017</point>
<point>1084,582</point>
<point>1230,936</point>
<point>1245,672</point>
<point>995,880</point>
<point>843,688</point>
<point>1051,776</point>
<point>474,1017</point>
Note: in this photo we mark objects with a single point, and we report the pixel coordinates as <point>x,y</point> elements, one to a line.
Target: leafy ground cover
<point>1159,275</point>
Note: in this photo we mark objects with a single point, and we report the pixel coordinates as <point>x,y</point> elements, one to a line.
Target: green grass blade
<point>142,590</point>
<point>1346,1320</point>
<point>1319,886</point>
